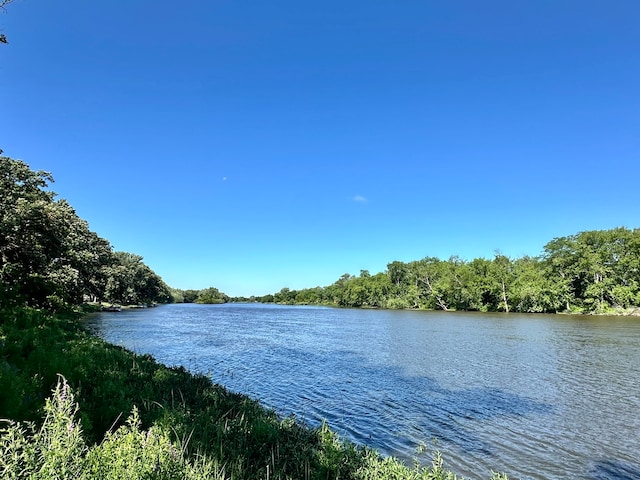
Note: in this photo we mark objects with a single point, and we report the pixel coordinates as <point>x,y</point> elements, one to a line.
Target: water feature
<point>535,396</point>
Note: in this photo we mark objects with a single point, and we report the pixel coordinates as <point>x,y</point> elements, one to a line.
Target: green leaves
<point>596,270</point>
<point>48,255</point>
<point>211,296</point>
<point>130,282</point>
<point>58,449</point>
<point>50,259</point>
<point>52,452</point>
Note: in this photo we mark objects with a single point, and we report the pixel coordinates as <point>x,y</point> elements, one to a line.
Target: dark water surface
<point>535,396</point>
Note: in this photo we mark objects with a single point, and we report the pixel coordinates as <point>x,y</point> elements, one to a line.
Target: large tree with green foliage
<point>533,289</point>
<point>129,281</point>
<point>211,295</point>
<point>596,269</point>
<point>48,255</point>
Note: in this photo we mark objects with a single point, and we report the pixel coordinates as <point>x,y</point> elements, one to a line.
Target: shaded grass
<point>203,420</point>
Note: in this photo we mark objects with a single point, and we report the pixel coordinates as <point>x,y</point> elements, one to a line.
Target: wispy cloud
<point>360,199</point>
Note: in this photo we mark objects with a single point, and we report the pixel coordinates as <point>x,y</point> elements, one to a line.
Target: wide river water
<point>535,396</point>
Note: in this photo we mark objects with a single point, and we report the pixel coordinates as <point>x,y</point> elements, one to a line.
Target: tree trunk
<point>441,303</point>
<point>504,298</point>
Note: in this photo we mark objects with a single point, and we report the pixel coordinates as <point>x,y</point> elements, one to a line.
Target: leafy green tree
<point>355,293</point>
<point>211,295</point>
<point>365,290</point>
<point>131,282</point>
<point>398,276</point>
<point>190,296</point>
<point>177,295</point>
<point>533,289</point>
<point>433,283</point>
<point>378,287</point>
<point>403,292</point>
<point>460,277</point>
<point>596,269</point>
<point>48,256</point>
<point>285,296</point>
<point>309,296</point>
<point>269,298</point>
<point>560,259</point>
<point>25,244</point>
<point>481,286</point>
<point>336,292</point>
<point>502,276</point>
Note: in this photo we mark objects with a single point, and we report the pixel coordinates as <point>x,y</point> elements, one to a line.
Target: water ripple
<point>535,396</point>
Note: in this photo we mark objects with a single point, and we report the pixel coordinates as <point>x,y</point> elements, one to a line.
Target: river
<point>534,396</point>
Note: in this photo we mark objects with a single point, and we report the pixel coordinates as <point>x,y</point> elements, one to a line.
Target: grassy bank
<point>116,413</point>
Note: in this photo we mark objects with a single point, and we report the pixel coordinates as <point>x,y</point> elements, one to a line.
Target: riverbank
<point>610,311</point>
<point>206,423</point>
<point>626,312</point>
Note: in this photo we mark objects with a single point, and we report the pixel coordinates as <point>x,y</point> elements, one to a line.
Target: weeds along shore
<point>75,406</point>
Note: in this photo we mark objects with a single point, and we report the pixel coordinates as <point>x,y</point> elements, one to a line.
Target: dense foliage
<point>58,449</point>
<point>590,272</point>
<point>49,258</point>
<point>209,295</point>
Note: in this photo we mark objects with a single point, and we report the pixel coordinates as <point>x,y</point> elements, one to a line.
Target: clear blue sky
<point>257,145</point>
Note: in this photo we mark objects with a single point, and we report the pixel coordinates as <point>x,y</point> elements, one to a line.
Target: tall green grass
<point>121,415</point>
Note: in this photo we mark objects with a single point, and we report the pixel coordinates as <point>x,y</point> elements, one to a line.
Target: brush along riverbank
<point>113,414</point>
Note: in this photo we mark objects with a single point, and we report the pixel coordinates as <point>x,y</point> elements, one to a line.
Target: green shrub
<point>53,451</point>
<point>57,450</point>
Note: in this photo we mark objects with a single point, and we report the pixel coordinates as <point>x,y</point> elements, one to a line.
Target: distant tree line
<point>209,295</point>
<point>589,272</point>
<point>50,259</point>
